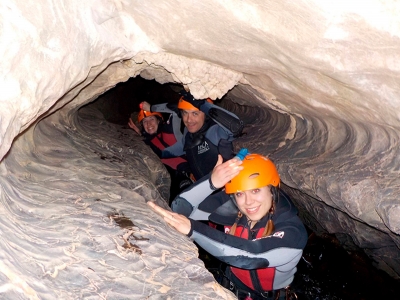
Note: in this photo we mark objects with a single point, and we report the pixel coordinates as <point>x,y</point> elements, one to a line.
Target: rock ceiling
<point>326,74</point>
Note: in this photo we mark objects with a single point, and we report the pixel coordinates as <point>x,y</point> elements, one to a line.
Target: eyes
<point>240,194</point>
<point>149,120</point>
<point>193,113</point>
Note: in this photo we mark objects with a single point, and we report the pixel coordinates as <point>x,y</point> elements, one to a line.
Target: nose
<point>188,117</point>
<point>248,198</point>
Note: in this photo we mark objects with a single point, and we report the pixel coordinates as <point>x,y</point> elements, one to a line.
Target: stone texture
<point>326,76</point>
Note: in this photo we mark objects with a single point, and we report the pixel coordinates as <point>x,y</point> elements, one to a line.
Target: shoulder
<point>215,133</point>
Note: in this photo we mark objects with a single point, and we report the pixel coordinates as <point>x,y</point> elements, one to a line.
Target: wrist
<point>212,187</point>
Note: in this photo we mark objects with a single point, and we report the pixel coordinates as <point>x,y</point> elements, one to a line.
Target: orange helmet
<point>258,171</point>
<point>186,105</point>
<point>144,114</point>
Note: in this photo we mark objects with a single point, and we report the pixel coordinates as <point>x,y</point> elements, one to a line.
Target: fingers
<point>168,215</point>
<point>145,105</point>
<point>224,172</point>
<point>219,161</point>
<point>161,211</point>
<point>179,222</point>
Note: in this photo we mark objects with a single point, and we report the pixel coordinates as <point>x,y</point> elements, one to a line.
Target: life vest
<point>260,279</point>
<point>162,140</point>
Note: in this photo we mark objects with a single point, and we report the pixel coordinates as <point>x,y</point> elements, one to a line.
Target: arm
<point>271,251</point>
<point>133,126</point>
<point>220,138</point>
<point>174,150</point>
<point>176,121</point>
<point>196,201</point>
<point>231,123</point>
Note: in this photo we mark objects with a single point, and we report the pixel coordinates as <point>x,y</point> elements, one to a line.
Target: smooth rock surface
<point>326,76</point>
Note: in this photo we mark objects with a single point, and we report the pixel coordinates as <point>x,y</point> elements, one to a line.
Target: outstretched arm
<point>272,251</point>
<point>179,222</point>
<point>132,125</point>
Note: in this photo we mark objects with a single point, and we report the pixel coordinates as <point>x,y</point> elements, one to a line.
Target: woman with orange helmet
<point>263,238</point>
<point>160,135</point>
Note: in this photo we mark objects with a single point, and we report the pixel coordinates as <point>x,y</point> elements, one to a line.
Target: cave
<point>315,83</point>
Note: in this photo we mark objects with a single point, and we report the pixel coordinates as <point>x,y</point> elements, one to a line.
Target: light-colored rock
<point>328,72</point>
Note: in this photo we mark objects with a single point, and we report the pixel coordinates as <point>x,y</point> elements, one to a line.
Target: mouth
<point>252,210</point>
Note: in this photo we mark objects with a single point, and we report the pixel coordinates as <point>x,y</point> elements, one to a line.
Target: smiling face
<point>150,124</point>
<point>193,119</point>
<point>255,203</point>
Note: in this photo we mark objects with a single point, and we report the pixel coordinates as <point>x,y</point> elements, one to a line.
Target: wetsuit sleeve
<point>227,120</point>
<point>195,195</point>
<point>174,118</point>
<point>283,248</point>
<point>162,108</point>
<point>225,148</point>
<point>219,137</point>
<point>174,150</point>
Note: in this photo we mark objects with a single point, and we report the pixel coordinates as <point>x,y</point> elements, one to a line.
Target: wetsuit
<point>256,265</point>
<point>168,133</point>
<point>164,138</point>
<point>202,148</point>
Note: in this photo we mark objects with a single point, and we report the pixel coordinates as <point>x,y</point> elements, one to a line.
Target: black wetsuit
<point>202,148</point>
<point>168,133</point>
<point>256,264</point>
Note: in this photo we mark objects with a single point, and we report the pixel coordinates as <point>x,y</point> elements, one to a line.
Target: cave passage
<point>326,271</point>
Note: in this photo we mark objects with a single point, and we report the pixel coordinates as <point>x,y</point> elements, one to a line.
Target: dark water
<point>326,271</point>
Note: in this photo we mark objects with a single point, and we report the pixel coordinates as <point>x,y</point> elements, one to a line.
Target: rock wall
<point>328,72</point>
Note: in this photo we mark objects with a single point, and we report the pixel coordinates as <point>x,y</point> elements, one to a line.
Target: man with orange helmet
<point>263,239</point>
<point>209,131</point>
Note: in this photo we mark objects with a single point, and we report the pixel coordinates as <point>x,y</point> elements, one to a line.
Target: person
<point>159,135</point>
<point>209,131</point>
<point>263,239</point>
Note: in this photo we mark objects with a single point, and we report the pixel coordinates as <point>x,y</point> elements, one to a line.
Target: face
<point>256,203</point>
<point>193,119</point>
<point>150,124</point>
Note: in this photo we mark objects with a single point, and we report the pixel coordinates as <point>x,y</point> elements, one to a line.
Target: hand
<point>179,222</point>
<point>132,125</point>
<point>224,172</point>
<point>145,106</point>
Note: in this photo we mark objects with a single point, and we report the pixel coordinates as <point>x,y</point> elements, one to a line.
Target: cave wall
<point>328,72</point>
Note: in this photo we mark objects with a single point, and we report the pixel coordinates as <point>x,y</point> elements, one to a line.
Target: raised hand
<point>145,106</point>
<point>224,172</point>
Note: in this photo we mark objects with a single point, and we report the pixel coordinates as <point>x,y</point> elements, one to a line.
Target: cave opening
<point>326,270</point>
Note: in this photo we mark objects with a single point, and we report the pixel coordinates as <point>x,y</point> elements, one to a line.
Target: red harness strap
<point>265,276</point>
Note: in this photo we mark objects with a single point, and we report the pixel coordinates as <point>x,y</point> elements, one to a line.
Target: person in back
<point>160,135</point>
<point>207,133</point>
